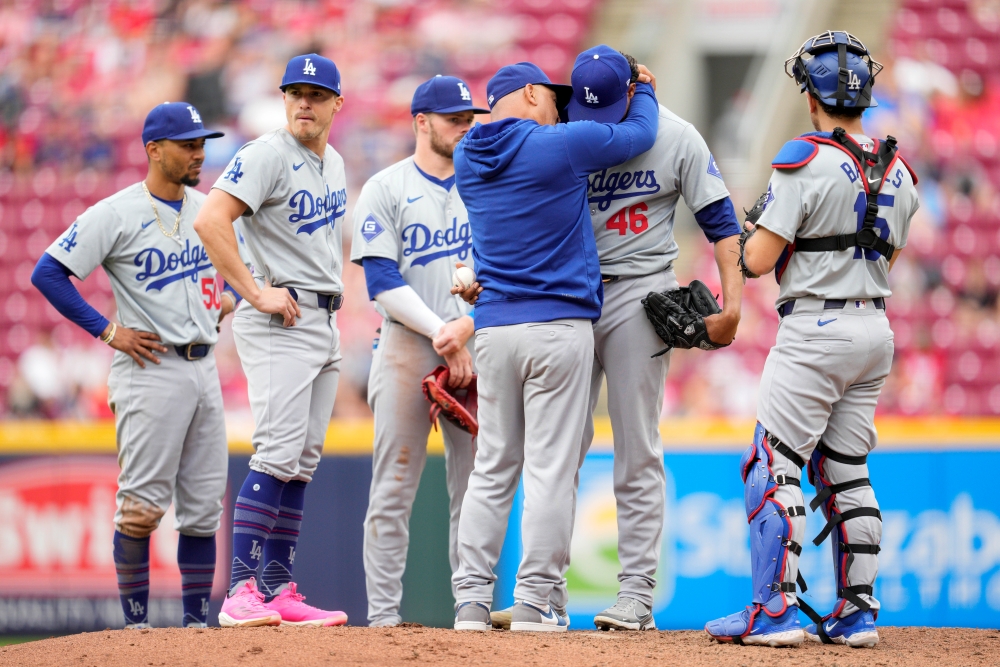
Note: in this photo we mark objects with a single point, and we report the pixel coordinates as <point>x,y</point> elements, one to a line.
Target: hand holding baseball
<point>464,284</point>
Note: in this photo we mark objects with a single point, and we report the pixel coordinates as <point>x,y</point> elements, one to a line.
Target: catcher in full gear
<point>831,224</point>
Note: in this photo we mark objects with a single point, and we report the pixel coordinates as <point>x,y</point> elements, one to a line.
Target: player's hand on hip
<point>137,344</point>
<point>454,335</point>
<point>471,293</point>
<point>277,301</point>
<point>459,368</point>
<point>721,328</point>
<point>645,76</point>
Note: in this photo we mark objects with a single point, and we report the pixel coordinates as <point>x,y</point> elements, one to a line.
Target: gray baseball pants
<point>171,435</point>
<point>402,359</point>
<point>533,400</point>
<point>624,342</point>
<point>292,375</point>
<point>822,382</point>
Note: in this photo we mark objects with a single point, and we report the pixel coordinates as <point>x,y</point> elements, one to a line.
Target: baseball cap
<point>314,69</point>
<point>177,121</point>
<point>443,94</point>
<point>600,85</point>
<point>514,77</point>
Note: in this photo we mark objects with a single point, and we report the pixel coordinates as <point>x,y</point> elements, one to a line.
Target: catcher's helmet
<point>836,68</point>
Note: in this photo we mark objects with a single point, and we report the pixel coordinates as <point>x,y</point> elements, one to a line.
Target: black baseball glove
<point>679,316</point>
<point>751,216</point>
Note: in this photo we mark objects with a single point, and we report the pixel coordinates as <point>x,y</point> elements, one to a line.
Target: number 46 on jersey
<point>630,218</point>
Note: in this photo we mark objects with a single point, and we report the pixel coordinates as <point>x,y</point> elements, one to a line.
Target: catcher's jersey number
<point>630,218</point>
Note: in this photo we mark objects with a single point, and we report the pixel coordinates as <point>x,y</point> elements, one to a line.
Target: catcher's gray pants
<point>624,342</point>
<point>822,383</point>
<point>533,399</point>
<point>292,375</point>
<point>402,424</point>
<point>171,435</point>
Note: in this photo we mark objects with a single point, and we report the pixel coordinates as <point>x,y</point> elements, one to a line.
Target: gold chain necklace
<point>177,220</point>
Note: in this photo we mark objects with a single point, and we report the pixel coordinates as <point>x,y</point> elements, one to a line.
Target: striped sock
<point>131,556</point>
<point>279,552</point>
<point>196,560</point>
<point>255,515</point>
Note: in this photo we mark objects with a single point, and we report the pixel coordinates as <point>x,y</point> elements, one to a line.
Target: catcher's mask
<point>836,68</point>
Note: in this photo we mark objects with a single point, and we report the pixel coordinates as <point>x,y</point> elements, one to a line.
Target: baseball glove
<point>458,408</point>
<point>751,216</point>
<point>679,316</point>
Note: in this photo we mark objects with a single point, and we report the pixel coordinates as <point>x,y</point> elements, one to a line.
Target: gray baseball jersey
<point>295,205</point>
<point>161,284</point>
<point>404,216</point>
<point>632,205</point>
<point>823,198</point>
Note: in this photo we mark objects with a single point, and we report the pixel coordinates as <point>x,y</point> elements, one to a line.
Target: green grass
<point>6,640</point>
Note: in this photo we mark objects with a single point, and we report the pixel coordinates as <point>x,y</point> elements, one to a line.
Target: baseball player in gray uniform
<point>290,189</point>
<point>409,227</point>
<point>834,219</point>
<point>163,387</point>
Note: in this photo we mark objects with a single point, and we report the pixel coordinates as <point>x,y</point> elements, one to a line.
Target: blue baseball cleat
<point>753,627</point>
<point>857,630</point>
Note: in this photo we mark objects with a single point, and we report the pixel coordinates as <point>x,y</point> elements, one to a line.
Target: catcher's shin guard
<point>771,539</point>
<point>853,519</point>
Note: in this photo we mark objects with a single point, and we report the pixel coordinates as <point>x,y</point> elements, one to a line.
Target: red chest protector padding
<point>873,168</point>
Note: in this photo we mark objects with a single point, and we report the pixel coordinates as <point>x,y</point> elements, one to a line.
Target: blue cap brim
<point>311,82</point>
<point>612,113</point>
<point>193,134</point>
<point>454,109</point>
<point>564,93</point>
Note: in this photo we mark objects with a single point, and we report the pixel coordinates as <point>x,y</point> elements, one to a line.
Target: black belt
<point>193,351</point>
<point>610,279</point>
<point>327,302</point>
<point>830,304</point>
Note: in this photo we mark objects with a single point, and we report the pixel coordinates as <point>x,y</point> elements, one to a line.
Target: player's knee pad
<point>770,523</point>
<point>138,518</point>
<point>833,487</point>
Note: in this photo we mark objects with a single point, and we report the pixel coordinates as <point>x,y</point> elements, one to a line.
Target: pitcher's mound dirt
<point>268,647</point>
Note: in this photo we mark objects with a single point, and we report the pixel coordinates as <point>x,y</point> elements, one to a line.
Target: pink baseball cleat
<point>246,608</point>
<point>289,603</point>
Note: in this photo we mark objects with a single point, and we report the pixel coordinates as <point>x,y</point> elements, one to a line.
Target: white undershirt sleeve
<point>405,306</point>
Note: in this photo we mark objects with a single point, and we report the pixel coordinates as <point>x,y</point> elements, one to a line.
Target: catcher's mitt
<point>679,316</point>
<point>458,408</point>
<point>751,216</point>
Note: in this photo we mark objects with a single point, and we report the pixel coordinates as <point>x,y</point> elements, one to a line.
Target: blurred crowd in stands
<point>78,77</point>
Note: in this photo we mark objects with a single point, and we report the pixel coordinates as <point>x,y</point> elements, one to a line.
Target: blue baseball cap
<point>600,79</point>
<point>314,69</point>
<point>515,77</point>
<point>177,121</point>
<point>443,94</point>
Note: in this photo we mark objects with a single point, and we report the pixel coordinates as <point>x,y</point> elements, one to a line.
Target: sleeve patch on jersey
<point>371,228</point>
<point>235,172</point>
<point>795,153</point>
<point>713,168</point>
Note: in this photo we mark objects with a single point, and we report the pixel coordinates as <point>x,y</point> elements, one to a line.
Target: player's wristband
<point>110,335</point>
<point>231,297</point>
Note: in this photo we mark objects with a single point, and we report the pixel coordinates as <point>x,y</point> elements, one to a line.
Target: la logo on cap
<point>466,95</point>
<point>195,118</point>
<point>309,69</point>
<point>589,97</point>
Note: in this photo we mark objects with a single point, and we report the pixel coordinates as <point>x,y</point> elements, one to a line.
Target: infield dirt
<point>267,647</point>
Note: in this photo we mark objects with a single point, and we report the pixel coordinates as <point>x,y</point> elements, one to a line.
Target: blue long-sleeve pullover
<point>525,187</point>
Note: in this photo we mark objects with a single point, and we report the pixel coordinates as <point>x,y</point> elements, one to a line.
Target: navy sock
<point>279,552</point>
<point>131,556</point>
<point>255,515</point>
<point>196,560</point>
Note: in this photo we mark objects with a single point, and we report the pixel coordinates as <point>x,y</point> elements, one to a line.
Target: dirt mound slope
<point>912,647</point>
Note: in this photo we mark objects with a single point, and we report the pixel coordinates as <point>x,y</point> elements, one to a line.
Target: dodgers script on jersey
<point>404,216</point>
<point>632,205</point>
<point>824,198</point>
<point>296,202</point>
<point>163,285</point>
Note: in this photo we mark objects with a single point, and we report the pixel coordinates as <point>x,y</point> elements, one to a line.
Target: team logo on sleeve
<point>317,211</point>
<point>713,168</point>
<point>603,188</point>
<point>235,172</point>
<point>768,199</point>
<point>371,228</point>
<point>68,241</point>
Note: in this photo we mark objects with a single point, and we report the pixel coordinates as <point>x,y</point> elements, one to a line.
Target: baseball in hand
<point>464,276</point>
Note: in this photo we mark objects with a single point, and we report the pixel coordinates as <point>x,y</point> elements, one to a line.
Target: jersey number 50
<point>210,287</point>
<point>636,221</point>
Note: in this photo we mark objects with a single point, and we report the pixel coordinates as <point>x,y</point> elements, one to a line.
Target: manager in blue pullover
<point>523,178</point>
